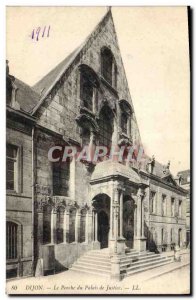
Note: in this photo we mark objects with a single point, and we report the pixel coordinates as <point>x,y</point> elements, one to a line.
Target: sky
<point>154,48</point>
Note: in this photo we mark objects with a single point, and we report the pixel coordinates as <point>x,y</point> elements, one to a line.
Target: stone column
<point>53,226</point>
<point>135,220</point>
<point>87,227</point>
<point>96,227</point>
<point>139,239</point>
<point>121,214</point>
<point>139,215</point>
<point>77,226</point>
<point>93,224</point>
<point>39,263</point>
<point>111,235</point>
<point>66,227</point>
<point>90,223</point>
<point>116,214</point>
<point>142,223</point>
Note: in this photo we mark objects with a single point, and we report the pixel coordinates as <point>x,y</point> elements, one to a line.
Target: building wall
<point>157,221</point>
<point>19,205</point>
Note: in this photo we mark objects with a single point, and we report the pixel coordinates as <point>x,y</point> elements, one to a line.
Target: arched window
<point>46,225</point>
<point>61,176</point>
<point>124,120</point>
<point>89,81</point>
<point>105,127</point>
<point>85,136</point>
<point>86,91</point>
<point>59,225</point>
<point>11,240</point>
<point>108,67</point>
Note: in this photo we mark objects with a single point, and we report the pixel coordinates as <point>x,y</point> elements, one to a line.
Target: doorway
<point>179,237</point>
<point>128,221</point>
<point>103,229</point>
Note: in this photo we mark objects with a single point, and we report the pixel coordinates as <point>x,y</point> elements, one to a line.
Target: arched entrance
<point>128,220</point>
<point>103,229</point>
<point>101,204</point>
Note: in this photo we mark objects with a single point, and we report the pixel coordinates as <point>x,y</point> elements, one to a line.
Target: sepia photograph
<point>98,178</point>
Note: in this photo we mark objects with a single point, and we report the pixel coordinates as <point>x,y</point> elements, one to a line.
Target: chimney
<point>7,68</point>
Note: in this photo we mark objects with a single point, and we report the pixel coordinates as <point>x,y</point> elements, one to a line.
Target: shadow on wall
<point>59,267</point>
<point>150,242</point>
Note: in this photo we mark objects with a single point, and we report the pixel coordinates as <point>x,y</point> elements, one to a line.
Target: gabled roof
<point>25,96</point>
<point>168,178</point>
<point>46,84</point>
<point>47,81</point>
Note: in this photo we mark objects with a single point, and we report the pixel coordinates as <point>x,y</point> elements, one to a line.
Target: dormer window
<point>124,119</point>
<point>108,67</point>
<point>86,92</point>
<point>85,136</point>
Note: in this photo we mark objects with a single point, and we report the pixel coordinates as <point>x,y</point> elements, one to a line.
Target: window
<point>12,168</point>
<point>108,67</point>
<point>105,127</point>
<point>152,202</point>
<point>180,209</point>
<point>171,235</point>
<point>172,207</point>
<point>86,91</point>
<point>85,136</point>
<point>124,119</point>
<point>162,235</point>
<point>61,174</point>
<point>11,240</point>
<point>163,205</point>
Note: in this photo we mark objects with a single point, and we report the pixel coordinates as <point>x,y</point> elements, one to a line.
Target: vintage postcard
<point>98,150</point>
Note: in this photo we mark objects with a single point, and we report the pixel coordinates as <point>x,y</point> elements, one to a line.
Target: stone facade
<point>184,180</point>
<point>107,204</point>
<point>19,208</point>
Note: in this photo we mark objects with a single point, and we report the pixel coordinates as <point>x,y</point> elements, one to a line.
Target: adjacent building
<point>184,180</point>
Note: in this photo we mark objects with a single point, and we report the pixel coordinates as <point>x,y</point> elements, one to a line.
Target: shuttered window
<point>11,240</point>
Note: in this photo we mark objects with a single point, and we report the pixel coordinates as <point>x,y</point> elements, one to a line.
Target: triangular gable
<point>46,84</point>
<point>169,179</point>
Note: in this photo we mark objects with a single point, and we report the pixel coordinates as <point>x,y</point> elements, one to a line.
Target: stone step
<point>100,259</point>
<point>93,265</point>
<point>91,269</point>
<point>139,256</point>
<point>93,261</point>
<point>146,268</point>
<point>149,261</point>
<point>97,254</point>
<point>88,272</point>
<point>147,264</point>
<point>142,259</point>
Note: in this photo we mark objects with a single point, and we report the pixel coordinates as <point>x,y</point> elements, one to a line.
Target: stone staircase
<point>97,262</point>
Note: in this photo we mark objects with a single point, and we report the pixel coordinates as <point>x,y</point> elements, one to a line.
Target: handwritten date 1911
<point>40,32</point>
